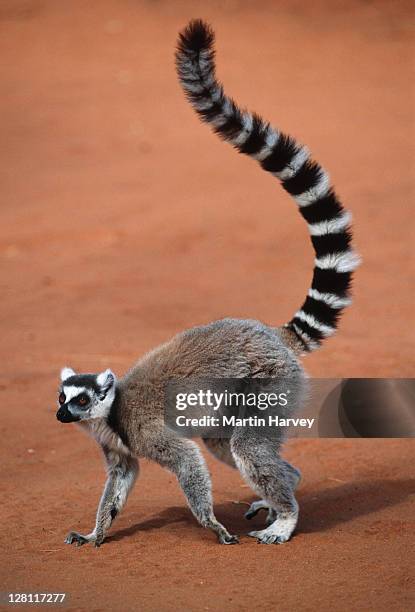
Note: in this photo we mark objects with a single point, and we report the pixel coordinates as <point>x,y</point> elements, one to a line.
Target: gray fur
<point>133,425</point>
<point>122,472</point>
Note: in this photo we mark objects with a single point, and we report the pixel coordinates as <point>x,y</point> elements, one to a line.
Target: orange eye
<point>62,398</point>
<point>83,400</point>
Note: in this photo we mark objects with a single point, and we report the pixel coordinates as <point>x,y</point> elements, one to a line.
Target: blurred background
<point>124,221</point>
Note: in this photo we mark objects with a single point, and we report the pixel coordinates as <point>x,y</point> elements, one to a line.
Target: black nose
<point>64,416</point>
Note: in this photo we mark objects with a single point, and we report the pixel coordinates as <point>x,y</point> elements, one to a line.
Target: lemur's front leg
<point>122,473</point>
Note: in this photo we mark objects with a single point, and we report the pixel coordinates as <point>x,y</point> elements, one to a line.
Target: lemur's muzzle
<point>64,416</point>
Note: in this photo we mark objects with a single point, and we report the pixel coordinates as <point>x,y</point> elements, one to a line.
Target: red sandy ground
<point>124,221</point>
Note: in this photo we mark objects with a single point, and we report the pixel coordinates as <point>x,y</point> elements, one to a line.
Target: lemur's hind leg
<point>295,477</point>
<point>257,459</point>
<point>184,459</point>
<point>220,448</point>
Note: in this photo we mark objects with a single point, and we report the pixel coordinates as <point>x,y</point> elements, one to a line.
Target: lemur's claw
<point>229,539</point>
<point>98,541</point>
<point>267,537</point>
<point>76,538</point>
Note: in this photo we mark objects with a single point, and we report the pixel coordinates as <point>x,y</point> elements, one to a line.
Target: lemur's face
<point>85,396</point>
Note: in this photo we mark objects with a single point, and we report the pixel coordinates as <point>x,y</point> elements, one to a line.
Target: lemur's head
<point>85,396</point>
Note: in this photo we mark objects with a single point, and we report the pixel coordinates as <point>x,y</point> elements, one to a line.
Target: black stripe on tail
<point>304,179</point>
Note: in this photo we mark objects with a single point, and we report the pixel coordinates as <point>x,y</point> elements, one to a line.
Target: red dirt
<point>125,221</point>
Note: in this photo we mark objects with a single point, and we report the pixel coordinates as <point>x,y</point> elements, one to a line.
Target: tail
<point>290,162</point>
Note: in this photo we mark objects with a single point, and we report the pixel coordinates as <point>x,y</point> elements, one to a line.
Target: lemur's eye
<point>83,400</point>
<point>62,398</point>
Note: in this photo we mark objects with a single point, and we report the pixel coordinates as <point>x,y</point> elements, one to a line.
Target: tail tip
<point>196,36</point>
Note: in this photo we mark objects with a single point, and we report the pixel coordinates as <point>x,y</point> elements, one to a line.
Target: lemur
<point>125,416</point>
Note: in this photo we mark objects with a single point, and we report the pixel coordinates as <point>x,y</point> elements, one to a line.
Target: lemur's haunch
<point>126,416</point>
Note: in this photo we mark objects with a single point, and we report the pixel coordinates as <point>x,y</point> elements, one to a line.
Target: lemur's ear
<point>66,373</point>
<point>106,380</point>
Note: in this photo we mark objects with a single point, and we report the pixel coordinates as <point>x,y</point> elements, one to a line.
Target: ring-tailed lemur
<point>126,416</point>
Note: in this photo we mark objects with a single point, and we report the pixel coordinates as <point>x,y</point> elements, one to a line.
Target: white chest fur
<point>105,436</point>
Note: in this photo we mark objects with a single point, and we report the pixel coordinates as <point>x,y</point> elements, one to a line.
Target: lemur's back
<point>229,348</point>
<point>225,348</point>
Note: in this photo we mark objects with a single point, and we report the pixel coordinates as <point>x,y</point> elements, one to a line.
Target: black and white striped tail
<point>290,162</point>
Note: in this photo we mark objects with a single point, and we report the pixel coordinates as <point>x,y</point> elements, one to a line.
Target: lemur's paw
<point>226,538</point>
<point>267,537</point>
<point>256,506</point>
<point>278,532</point>
<point>79,540</point>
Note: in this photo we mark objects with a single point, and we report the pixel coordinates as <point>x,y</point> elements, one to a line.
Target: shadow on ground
<point>320,511</point>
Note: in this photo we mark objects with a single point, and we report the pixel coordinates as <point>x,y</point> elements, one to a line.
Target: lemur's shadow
<point>169,516</point>
<point>320,510</point>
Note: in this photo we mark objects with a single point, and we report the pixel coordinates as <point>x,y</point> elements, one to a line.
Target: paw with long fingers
<point>266,537</point>
<point>78,539</point>
<point>278,532</point>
